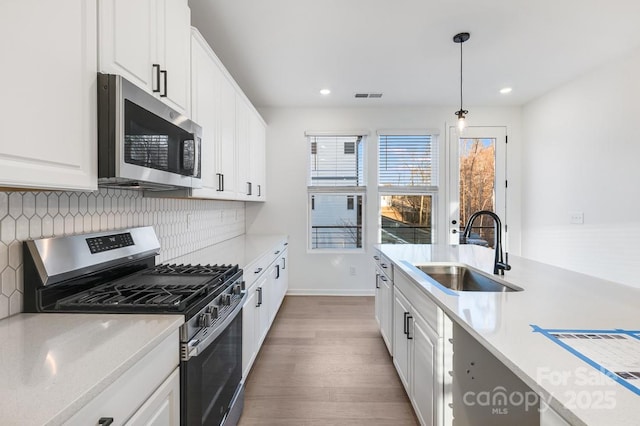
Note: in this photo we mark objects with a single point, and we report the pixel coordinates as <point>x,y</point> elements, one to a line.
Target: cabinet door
<point>128,40</point>
<point>246,188</point>
<point>205,86</point>
<point>284,271</point>
<point>378,301</point>
<point>424,369</point>
<point>257,159</point>
<point>162,408</point>
<point>249,335</point>
<point>386,309</point>
<point>228,155</point>
<point>174,39</point>
<point>48,111</point>
<point>400,341</point>
<point>263,315</point>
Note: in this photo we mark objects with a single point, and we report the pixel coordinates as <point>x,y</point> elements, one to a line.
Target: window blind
<point>408,160</point>
<point>336,161</point>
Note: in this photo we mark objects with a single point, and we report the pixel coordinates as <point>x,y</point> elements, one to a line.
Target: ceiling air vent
<point>368,95</point>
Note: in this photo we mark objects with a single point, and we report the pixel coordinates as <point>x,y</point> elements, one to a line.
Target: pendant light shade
<point>462,113</point>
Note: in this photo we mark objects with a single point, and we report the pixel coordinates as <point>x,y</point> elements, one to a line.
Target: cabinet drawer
<point>384,264</point>
<point>128,393</point>
<point>431,313</point>
<point>255,269</point>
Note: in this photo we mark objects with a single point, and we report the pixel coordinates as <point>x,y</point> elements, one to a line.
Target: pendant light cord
<point>461,76</point>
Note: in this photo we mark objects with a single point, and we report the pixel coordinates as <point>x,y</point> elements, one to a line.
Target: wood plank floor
<point>324,363</point>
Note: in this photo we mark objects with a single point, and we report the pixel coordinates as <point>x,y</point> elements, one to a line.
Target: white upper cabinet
<point>148,42</point>
<point>213,108</point>
<point>48,111</point>
<point>257,140</point>
<point>233,139</point>
<point>174,37</point>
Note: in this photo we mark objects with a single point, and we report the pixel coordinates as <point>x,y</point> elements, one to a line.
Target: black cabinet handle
<point>284,263</point>
<point>384,265</point>
<point>257,271</point>
<point>277,252</point>
<point>164,95</point>
<point>222,174</point>
<point>404,326</point>
<point>105,421</point>
<point>377,277</point>
<point>376,257</point>
<point>248,188</point>
<point>259,191</point>
<point>383,278</point>
<point>277,271</point>
<point>409,317</point>
<point>220,184</point>
<point>156,68</point>
<point>259,290</point>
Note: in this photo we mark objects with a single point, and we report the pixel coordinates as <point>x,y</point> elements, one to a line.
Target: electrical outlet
<point>352,271</point>
<point>576,218</point>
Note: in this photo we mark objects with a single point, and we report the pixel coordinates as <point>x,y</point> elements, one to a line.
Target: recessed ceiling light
<point>506,90</point>
<point>325,92</point>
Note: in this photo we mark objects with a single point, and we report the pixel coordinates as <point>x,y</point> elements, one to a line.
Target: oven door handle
<point>196,346</point>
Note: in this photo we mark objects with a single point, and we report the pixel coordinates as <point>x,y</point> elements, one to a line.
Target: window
<point>336,192</point>
<point>349,148</point>
<point>408,185</point>
<point>350,202</point>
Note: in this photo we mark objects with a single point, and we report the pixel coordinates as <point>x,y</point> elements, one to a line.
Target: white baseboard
<point>330,292</point>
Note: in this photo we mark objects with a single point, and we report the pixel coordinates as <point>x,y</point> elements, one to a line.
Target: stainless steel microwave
<point>143,143</point>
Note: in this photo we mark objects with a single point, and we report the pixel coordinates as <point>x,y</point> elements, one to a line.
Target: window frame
<point>427,190</point>
<point>360,190</point>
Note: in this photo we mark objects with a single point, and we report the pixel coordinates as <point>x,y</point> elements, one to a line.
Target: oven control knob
<point>237,289</point>
<point>213,311</point>
<point>225,299</point>
<point>204,320</point>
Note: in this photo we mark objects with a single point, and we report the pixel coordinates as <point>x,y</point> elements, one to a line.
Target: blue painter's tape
<point>610,374</point>
<point>431,280</point>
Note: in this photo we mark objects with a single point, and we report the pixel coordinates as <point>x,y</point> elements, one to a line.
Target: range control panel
<point>109,242</point>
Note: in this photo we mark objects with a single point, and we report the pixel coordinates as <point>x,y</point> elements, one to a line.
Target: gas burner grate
<point>175,269</point>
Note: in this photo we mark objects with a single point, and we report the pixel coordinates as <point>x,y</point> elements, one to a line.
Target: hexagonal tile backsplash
<point>33,215</point>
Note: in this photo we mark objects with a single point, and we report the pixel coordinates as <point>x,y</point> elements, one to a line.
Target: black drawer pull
<point>105,421</point>
<point>409,317</point>
<point>404,326</point>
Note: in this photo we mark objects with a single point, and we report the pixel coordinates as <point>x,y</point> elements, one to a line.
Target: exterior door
<point>476,181</point>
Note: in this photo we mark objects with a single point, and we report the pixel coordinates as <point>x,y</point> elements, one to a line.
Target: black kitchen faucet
<point>499,265</point>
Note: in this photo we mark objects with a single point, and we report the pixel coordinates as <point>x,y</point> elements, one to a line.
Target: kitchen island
<point>509,324</point>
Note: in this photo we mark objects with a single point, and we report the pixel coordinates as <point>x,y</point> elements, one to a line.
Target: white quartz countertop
<point>553,298</point>
<point>242,250</point>
<point>51,365</point>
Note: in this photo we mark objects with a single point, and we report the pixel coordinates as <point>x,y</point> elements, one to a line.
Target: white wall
<point>286,208</point>
<point>581,154</point>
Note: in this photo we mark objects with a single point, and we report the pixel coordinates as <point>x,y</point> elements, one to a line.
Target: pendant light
<point>461,114</point>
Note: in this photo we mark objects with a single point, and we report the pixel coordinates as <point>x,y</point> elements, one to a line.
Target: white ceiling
<point>282,52</point>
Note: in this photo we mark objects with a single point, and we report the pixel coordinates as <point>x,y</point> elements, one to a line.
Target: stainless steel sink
<point>462,278</point>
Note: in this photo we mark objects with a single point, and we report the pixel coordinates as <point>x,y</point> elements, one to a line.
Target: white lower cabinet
<point>266,280</point>
<point>146,394</point>
<point>418,350</point>
<point>163,407</point>
<point>423,364</point>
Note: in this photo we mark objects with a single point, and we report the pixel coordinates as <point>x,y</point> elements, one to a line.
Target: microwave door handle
<point>196,156</point>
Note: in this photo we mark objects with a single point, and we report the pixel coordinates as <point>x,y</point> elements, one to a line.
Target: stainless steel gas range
<point>111,272</point>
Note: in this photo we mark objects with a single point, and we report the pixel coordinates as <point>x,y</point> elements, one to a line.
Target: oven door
<point>210,380</point>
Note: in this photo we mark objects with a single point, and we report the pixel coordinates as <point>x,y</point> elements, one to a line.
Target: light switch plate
<point>576,218</point>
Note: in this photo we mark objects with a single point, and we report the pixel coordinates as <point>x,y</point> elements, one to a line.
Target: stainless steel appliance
<point>109,272</point>
<point>143,143</point>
